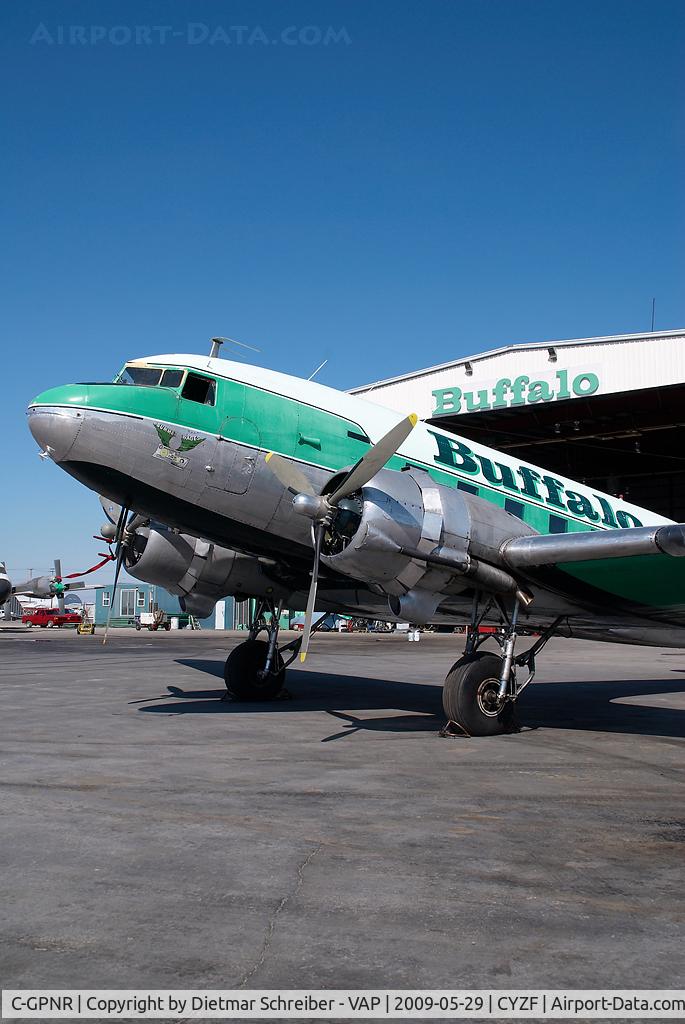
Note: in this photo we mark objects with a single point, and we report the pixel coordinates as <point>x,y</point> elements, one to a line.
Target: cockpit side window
<point>199,389</point>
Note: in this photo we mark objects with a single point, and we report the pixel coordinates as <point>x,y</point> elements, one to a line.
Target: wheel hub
<point>488,697</point>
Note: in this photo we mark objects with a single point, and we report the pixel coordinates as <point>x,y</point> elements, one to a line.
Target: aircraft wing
<point>552,549</point>
<point>640,568</point>
<point>42,586</point>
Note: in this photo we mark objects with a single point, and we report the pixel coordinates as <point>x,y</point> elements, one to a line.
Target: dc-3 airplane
<point>37,586</point>
<point>227,479</point>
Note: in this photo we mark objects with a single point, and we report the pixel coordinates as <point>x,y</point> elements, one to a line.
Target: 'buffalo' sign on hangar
<point>608,411</point>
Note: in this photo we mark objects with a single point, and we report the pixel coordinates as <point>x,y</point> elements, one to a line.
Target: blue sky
<point>385,185</point>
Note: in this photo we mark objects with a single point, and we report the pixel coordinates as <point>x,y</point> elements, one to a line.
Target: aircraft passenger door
<point>235,456</point>
<point>245,442</point>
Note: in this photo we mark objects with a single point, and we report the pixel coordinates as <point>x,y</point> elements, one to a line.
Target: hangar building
<point>134,597</point>
<point>609,411</point>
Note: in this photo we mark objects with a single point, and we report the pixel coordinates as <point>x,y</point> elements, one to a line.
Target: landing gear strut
<point>255,669</point>
<point>481,688</point>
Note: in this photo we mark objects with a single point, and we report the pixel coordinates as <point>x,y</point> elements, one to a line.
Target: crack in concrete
<point>271,925</point>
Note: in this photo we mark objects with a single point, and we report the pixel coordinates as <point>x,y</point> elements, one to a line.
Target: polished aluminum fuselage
<point>223,490</point>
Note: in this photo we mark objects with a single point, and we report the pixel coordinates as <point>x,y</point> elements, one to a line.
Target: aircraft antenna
<point>313,375</point>
<point>218,342</point>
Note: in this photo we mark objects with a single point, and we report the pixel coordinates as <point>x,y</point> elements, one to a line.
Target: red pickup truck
<point>50,618</point>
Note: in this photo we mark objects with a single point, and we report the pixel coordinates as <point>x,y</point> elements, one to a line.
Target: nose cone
<point>55,419</point>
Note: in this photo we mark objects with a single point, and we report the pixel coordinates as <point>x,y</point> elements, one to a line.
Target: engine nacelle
<point>200,605</point>
<point>410,538</point>
<point>39,586</point>
<point>198,572</point>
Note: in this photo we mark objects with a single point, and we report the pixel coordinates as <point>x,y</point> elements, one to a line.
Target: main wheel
<point>470,696</point>
<point>242,668</point>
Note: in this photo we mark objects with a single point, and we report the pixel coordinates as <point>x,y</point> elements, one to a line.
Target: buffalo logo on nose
<point>170,451</point>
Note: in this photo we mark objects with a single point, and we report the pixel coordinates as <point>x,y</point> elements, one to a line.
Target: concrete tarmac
<point>155,837</point>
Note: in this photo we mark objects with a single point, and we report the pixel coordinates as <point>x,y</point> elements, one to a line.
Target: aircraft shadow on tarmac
<point>583,705</point>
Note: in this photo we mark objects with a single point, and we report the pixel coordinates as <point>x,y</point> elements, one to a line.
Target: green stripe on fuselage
<point>274,422</point>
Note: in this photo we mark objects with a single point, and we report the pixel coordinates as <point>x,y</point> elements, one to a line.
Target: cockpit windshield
<point>140,375</point>
<point>149,376</point>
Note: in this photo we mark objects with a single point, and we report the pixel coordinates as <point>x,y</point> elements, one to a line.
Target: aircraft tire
<point>241,672</point>
<point>469,696</point>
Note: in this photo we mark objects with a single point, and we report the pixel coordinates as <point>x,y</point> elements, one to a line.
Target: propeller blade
<point>311,600</point>
<point>119,553</point>
<point>374,460</point>
<point>289,474</point>
<point>120,562</point>
<point>111,509</point>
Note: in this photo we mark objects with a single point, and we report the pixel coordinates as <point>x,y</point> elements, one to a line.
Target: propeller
<point>125,532</point>
<point>374,459</point>
<point>311,599</point>
<point>321,507</point>
<point>118,555</point>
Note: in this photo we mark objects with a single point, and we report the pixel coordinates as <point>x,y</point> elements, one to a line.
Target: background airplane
<point>38,586</point>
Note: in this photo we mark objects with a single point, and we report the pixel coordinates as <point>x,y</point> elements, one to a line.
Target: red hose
<point>105,560</point>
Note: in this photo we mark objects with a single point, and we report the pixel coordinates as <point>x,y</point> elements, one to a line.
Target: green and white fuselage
<point>192,455</point>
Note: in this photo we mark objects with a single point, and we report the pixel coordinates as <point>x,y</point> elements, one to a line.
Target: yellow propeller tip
<point>303,656</point>
<point>268,456</point>
<point>413,419</point>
